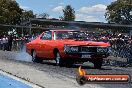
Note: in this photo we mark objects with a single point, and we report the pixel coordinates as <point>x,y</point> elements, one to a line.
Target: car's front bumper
<point>86,56</point>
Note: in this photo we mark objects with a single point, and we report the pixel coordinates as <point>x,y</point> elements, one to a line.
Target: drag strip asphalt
<point>48,75</point>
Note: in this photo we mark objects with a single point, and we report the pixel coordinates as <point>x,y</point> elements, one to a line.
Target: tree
<point>10,12</point>
<point>119,12</point>
<point>44,15</point>
<point>27,14</point>
<point>69,14</point>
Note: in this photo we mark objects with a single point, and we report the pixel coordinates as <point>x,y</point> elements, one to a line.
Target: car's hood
<point>85,43</point>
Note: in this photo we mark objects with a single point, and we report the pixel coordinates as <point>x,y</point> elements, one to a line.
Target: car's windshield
<point>76,35</point>
<point>80,35</point>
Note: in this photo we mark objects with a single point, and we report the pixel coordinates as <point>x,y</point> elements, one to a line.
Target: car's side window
<point>47,36</point>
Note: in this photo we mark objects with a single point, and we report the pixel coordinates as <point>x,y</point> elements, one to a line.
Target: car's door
<point>46,45</point>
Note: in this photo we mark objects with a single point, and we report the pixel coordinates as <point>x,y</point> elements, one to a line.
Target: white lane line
<point>18,79</point>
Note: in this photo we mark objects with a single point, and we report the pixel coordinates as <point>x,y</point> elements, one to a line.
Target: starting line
<point>9,81</point>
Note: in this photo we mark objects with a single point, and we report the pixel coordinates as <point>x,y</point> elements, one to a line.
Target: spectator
<point>1,44</point>
<point>5,42</point>
<point>10,39</point>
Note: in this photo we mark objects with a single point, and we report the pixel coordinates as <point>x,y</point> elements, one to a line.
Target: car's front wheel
<point>58,60</point>
<point>62,62</point>
<point>35,58</point>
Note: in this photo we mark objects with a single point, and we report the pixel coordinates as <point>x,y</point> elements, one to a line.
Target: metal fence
<point>121,50</point>
<point>19,45</point>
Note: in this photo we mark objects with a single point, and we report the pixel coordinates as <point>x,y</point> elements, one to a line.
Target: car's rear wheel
<point>35,58</point>
<point>98,63</point>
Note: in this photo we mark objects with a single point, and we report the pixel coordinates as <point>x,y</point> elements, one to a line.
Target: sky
<point>85,10</point>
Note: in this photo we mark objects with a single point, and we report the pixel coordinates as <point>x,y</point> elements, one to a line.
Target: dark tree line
<point>120,12</point>
<point>11,13</point>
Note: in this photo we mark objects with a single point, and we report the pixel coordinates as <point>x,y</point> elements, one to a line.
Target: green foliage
<point>119,12</point>
<point>27,14</point>
<point>69,14</point>
<point>10,12</point>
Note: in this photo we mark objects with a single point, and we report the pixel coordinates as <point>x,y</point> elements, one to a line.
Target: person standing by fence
<point>5,42</point>
<point>10,39</point>
<point>1,43</point>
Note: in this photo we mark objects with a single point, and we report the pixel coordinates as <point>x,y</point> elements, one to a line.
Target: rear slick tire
<point>35,58</point>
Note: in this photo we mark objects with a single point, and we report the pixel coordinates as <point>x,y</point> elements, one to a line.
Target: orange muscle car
<point>67,47</point>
